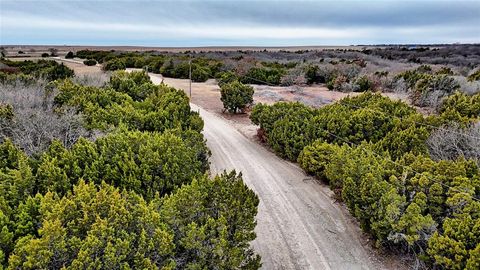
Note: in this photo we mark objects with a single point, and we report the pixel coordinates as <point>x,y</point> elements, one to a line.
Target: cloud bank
<point>217,23</point>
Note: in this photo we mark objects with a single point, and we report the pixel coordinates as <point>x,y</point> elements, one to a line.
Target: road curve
<point>298,224</point>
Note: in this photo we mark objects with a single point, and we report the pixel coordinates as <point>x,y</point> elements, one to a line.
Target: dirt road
<point>299,226</point>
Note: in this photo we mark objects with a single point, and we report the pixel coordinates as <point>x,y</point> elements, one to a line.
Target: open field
<point>37,50</point>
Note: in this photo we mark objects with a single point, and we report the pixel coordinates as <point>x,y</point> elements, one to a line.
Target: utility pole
<point>190,77</point>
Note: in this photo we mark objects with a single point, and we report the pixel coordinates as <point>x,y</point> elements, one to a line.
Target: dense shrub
<point>312,75</point>
<point>262,75</point>
<point>474,76</point>
<point>90,62</point>
<point>200,74</point>
<point>69,55</point>
<point>136,84</point>
<point>143,162</point>
<point>137,197</point>
<point>236,96</point>
<point>47,69</point>
<point>373,152</point>
<point>429,90</point>
<point>201,69</point>
<point>365,117</point>
<point>226,77</point>
<point>99,56</point>
<point>465,105</point>
<point>316,156</point>
<point>114,64</point>
<point>411,77</point>
<point>158,108</point>
<point>288,135</point>
<point>444,71</point>
<point>105,227</point>
<point>426,88</point>
<point>363,84</point>
<point>285,126</point>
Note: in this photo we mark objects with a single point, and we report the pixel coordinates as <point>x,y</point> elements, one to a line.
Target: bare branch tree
<point>36,121</point>
<point>453,142</point>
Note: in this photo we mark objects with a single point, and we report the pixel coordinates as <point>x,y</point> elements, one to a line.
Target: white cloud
<point>184,30</point>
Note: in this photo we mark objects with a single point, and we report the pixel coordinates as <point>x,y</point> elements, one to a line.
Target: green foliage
<point>146,163</point>
<point>466,106</point>
<point>136,198</point>
<point>236,96</point>
<point>312,75</point>
<point>456,245</point>
<point>6,112</point>
<point>57,72</point>
<point>426,88</point>
<point>406,137</point>
<point>285,125</point>
<point>363,84</point>
<point>291,126</point>
<point>132,83</point>
<point>206,224</point>
<point>114,64</point>
<point>316,156</point>
<point>213,223</point>
<point>200,74</point>
<point>411,77</point>
<point>69,55</point>
<point>158,107</point>
<point>99,56</point>
<point>202,69</point>
<point>90,62</point>
<point>474,76</point>
<point>372,152</point>
<point>263,75</point>
<point>288,136</point>
<point>365,117</point>
<point>226,77</point>
<point>438,85</point>
<point>96,228</point>
<point>444,71</point>
<point>47,69</point>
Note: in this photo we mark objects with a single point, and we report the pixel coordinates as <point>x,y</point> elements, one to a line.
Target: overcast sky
<point>217,23</point>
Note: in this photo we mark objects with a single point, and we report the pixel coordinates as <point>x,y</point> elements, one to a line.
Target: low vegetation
<point>347,70</point>
<point>31,70</point>
<point>90,62</point>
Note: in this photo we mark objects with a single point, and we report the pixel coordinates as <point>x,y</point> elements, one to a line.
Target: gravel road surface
<point>299,226</point>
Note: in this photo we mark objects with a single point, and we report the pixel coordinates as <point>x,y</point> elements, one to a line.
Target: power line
<point>398,164</point>
<point>258,80</point>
